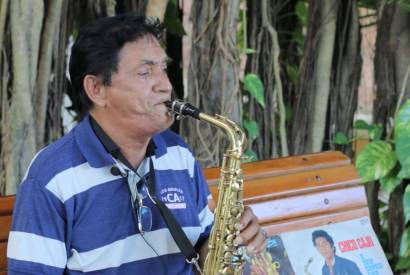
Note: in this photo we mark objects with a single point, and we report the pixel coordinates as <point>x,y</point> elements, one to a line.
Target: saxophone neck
<point>235,134</point>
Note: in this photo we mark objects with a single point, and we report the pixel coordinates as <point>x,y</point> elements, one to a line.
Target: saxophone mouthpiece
<point>181,109</point>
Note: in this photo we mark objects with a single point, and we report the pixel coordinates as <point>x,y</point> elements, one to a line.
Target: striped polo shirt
<point>73,216</point>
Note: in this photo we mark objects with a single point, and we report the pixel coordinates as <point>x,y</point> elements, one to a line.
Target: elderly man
<point>91,202</point>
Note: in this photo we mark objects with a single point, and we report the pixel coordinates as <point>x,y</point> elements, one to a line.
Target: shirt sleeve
<point>36,242</point>
<point>206,217</point>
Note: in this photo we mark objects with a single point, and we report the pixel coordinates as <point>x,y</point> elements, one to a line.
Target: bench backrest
<point>6,209</point>
<point>298,192</point>
<point>286,194</point>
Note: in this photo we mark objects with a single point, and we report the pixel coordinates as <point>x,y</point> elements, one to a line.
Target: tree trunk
<point>303,103</point>
<point>19,132</point>
<point>346,74</point>
<point>213,83</point>
<point>322,76</point>
<point>44,71</point>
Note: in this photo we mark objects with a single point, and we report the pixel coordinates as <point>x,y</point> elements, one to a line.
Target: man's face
<point>135,99</point>
<point>324,248</point>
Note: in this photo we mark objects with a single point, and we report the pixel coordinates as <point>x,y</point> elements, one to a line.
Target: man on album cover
<point>334,265</point>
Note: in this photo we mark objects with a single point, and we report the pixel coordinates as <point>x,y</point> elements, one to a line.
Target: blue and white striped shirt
<point>73,216</point>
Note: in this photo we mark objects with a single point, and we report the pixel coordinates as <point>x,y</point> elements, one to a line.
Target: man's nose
<point>163,84</point>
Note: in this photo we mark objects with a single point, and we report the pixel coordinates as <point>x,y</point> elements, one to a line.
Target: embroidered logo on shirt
<point>173,198</point>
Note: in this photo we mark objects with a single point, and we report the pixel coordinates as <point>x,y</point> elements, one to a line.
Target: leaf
<point>299,38</point>
<point>171,19</point>
<point>375,131</point>
<point>292,72</point>
<point>252,128</point>
<point>254,86</point>
<point>248,51</point>
<point>405,243</point>
<point>406,204</point>
<point>288,112</point>
<point>402,138</point>
<point>405,6</point>
<point>250,156</point>
<point>375,160</point>
<point>361,125</point>
<point>402,263</point>
<point>390,182</point>
<point>403,174</point>
<point>301,12</point>
<point>340,139</point>
<point>368,4</point>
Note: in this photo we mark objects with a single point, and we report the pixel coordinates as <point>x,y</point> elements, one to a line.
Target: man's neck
<point>133,146</point>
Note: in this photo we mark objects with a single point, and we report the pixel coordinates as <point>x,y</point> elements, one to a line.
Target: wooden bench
<point>286,194</point>
<point>6,209</point>
<point>298,192</point>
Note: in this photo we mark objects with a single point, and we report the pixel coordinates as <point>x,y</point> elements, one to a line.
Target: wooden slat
<point>6,204</point>
<point>283,166</point>
<point>310,204</point>
<point>270,188</point>
<point>314,221</point>
<point>5,223</point>
<point>3,256</point>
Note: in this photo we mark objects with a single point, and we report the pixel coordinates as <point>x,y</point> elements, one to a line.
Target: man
<point>334,265</point>
<point>88,201</point>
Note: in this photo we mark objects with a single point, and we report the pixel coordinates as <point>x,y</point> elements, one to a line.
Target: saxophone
<point>223,256</point>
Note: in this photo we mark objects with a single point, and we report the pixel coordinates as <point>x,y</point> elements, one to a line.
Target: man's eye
<point>145,73</point>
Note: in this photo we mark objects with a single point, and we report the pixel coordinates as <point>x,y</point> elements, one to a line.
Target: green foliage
<point>253,84</point>
<point>403,263</point>
<point>172,20</point>
<point>405,5</point>
<point>375,131</point>
<point>389,162</point>
<point>390,182</point>
<point>252,128</point>
<point>402,138</point>
<point>292,72</point>
<point>368,4</point>
<point>340,139</point>
<point>405,244</point>
<point>250,156</point>
<point>361,125</point>
<point>379,157</point>
<point>301,12</point>
<point>248,51</point>
<point>375,161</point>
<point>406,204</point>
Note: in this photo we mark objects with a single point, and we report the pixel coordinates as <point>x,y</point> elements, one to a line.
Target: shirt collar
<point>90,146</point>
<point>99,149</point>
<point>113,148</point>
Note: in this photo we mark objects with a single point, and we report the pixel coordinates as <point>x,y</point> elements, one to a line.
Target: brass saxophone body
<point>223,256</point>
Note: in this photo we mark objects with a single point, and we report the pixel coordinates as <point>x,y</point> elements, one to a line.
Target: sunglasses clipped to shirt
<point>143,214</point>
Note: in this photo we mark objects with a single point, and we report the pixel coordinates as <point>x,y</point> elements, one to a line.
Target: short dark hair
<point>321,233</point>
<point>96,50</point>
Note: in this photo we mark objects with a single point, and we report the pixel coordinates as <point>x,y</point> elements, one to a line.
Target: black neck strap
<point>174,227</point>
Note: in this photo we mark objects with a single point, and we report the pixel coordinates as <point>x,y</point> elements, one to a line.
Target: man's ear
<point>95,90</point>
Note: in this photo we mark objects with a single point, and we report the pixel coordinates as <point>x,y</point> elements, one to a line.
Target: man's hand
<point>251,234</point>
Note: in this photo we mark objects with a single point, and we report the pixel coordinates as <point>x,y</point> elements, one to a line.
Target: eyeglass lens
<point>144,214</point>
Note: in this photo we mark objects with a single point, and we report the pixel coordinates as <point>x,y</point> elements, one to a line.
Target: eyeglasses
<point>143,212</point>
